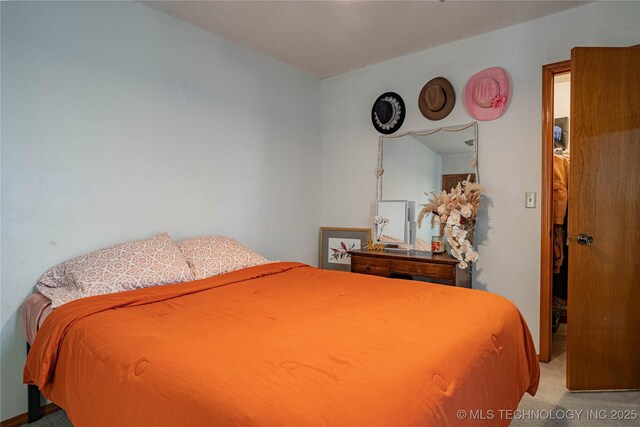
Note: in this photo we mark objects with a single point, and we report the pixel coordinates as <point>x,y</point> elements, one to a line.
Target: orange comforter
<point>285,344</point>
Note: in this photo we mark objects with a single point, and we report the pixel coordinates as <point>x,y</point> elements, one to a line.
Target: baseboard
<point>18,420</point>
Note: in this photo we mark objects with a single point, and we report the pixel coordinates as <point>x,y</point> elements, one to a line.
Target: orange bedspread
<point>285,344</point>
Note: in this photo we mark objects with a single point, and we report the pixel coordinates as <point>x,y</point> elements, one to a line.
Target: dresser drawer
<point>368,265</point>
<point>442,271</point>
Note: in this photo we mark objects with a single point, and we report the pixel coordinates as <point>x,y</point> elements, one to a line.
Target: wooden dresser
<point>437,268</point>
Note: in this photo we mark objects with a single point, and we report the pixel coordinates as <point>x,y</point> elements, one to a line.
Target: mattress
<point>285,344</point>
<point>35,309</point>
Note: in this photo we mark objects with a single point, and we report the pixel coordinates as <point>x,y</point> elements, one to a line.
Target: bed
<point>285,344</point>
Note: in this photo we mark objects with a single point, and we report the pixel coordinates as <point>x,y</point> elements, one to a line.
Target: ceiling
<point>332,37</point>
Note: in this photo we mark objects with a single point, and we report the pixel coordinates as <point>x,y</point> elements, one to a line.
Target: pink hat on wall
<point>486,94</point>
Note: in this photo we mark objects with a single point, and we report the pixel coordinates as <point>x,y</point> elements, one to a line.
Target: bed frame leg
<point>35,411</point>
<point>33,400</point>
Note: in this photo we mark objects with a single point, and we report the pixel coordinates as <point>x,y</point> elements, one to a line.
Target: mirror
<point>413,163</point>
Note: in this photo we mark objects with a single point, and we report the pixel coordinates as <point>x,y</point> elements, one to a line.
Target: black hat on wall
<point>387,114</point>
<point>437,99</point>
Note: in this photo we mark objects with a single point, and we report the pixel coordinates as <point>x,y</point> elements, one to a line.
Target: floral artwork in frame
<point>339,250</point>
<point>335,244</point>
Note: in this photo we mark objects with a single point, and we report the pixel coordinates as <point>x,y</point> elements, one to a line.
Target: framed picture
<point>335,244</point>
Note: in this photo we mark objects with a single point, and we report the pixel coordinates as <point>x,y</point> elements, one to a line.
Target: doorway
<point>560,213</point>
<point>559,71</point>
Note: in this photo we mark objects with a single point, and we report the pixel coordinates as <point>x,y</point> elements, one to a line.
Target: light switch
<point>530,200</point>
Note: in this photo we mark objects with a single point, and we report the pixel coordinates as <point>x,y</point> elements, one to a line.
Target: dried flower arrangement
<point>457,210</point>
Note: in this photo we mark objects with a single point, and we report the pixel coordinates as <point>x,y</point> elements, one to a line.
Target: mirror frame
<point>381,138</point>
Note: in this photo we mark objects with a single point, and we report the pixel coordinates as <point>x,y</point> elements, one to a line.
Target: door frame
<point>546,204</point>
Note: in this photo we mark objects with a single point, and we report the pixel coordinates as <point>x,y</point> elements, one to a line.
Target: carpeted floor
<point>551,406</point>
<point>554,404</point>
<point>56,419</point>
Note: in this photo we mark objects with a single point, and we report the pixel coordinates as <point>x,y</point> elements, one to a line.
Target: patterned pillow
<point>213,255</point>
<point>54,278</point>
<point>123,267</point>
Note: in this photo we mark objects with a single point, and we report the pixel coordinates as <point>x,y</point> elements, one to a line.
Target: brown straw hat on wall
<point>437,99</point>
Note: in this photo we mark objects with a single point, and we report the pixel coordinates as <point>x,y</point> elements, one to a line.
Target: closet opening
<point>556,148</point>
<point>560,213</point>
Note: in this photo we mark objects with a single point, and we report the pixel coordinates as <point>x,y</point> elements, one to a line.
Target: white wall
<point>120,122</point>
<point>509,148</point>
<point>562,104</point>
<point>561,99</point>
<point>457,163</point>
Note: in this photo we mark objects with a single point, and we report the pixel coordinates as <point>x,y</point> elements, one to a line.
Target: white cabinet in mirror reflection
<point>395,222</point>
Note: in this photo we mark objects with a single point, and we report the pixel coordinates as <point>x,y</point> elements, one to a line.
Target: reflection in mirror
<point>392,223</point>
<point>417,162</point>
